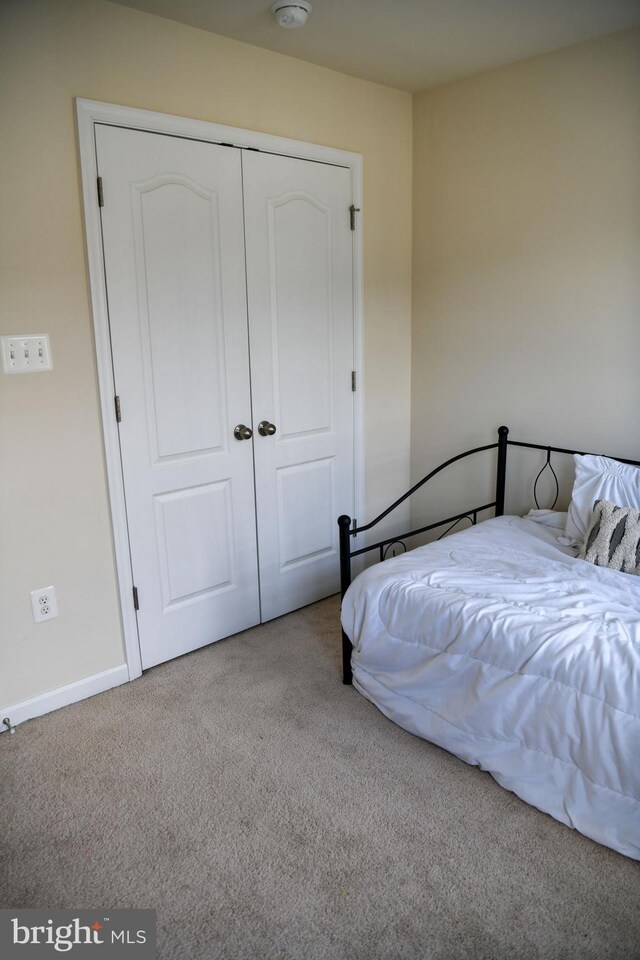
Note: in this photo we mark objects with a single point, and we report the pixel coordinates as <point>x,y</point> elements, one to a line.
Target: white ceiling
<point>408,44</point>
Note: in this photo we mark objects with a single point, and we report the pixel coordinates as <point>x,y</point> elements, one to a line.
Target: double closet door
<point>229,285</point>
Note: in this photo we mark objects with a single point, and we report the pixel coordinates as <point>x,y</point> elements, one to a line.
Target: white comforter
<point>497,644</point>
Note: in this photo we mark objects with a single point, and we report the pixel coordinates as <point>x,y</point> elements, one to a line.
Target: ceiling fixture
<point>291,15</point>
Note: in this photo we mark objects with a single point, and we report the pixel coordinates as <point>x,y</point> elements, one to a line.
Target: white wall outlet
<point>44,604</point>
<point>26,354</point>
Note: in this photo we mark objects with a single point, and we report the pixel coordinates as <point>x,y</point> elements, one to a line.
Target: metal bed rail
<point>349,529</point>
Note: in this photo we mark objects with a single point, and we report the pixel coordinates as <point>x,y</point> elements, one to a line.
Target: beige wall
<point>526,257</point>
<point>54,520</point>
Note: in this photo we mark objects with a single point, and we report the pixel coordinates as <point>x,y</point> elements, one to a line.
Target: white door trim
<point>90,112</point>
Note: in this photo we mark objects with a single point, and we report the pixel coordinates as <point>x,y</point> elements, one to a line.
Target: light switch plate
<point>30,353</point>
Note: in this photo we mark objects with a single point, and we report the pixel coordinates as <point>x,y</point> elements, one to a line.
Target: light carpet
<point>264,810</point>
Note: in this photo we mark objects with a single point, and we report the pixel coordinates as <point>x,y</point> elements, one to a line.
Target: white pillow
<point>598,478</point>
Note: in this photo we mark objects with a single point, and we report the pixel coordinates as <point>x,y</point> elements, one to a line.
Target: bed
<point>503,645</point>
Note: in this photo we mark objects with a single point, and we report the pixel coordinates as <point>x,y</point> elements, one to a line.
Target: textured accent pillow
<point>599,478</point>
<point>613,538</point>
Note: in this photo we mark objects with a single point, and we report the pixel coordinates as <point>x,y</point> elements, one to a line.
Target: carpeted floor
<point>266,811</point>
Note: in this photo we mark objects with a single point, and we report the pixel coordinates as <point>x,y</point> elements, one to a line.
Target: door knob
<point>243,432</point>
<point>266,429</point>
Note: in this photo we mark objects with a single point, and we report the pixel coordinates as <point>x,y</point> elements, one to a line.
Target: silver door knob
<point>243,432</point>
<point>266,429</point>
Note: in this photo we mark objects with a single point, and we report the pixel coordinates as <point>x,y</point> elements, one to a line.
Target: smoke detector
<point>291,15</point>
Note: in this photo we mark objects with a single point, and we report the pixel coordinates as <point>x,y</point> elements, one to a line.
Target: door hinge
<point>116,401</point>
<point>353,380</point>
<point>101,194</point>
<point>136,604</point>
<point>352,211</point>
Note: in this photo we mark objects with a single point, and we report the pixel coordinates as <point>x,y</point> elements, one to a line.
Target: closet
<point>229,287</point>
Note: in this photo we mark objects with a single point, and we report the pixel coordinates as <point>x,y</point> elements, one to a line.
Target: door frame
<point>91,112</point>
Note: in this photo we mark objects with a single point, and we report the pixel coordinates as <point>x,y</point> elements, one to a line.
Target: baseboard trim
<point>63,696</point>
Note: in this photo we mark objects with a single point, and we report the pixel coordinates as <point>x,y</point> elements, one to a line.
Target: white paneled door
<point>229,285</point>
<point>299,282</point>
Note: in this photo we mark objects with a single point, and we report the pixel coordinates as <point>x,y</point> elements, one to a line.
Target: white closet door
<point>300,294</point>
<point>174,262</point>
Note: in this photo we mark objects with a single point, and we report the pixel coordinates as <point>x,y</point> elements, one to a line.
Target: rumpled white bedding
<point>499,645</point>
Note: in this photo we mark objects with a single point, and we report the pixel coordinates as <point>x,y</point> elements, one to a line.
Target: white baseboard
<point>63,696</point>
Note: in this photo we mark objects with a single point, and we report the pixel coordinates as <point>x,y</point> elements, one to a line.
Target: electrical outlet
<point>26,354</point>
<point>44,604</point>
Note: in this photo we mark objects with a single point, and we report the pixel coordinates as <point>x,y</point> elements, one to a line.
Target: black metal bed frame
<point>349,529</point>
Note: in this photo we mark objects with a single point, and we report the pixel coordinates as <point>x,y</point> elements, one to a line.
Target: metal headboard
<point>348,528</point>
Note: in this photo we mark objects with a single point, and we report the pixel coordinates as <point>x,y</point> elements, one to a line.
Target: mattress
<point>501,646</point>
